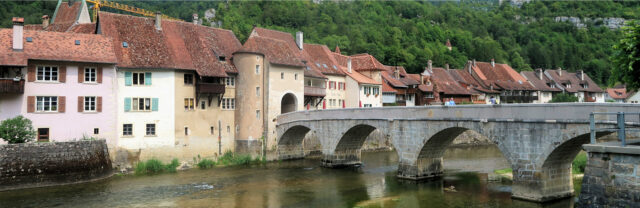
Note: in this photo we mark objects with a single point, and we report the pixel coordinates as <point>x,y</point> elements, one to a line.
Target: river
<point>298,183</point>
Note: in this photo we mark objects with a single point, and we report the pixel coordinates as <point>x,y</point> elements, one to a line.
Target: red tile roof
<point>276,51</point>
<point>387,88</point>
<point>446,83</point>
<point>388,77</point>
<point>88,28</point>
<point>179,45</point>
<point>501,76</point>
<point>67,13</point>
<point>574,81</point>
<point>319,57</point>
<point>366,62</point>
<point>539,84</point>
<point>55,46</point>
<point>617,93</point>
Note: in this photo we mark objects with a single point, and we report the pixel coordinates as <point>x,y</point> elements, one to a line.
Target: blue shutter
<point>154,104</point>
<point>127,79</point>
<point>147,78</point>
<point>127,104</point>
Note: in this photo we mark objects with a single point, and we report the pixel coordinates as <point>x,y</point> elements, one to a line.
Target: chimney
<point>299,40</point>
<point>559,71</point>
<point>349,65</point>
<point>45,21</point>
<point>539,72</point>
<point>493,63</point>
<point>581,73</point>
<point>474,62</point>
<point>195,18</point>
<point>446,66</point>
<point>469,68</point>
<point>396,73</point>
<point>421,78</point>
<point>158,21</point>
<point>430,66</point>
<point>18,33</point>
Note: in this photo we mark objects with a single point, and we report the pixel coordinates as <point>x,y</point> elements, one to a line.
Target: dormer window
<point>77,42</point>
<point>566,85</point>
<point>125,44</point>
<point>584,86</point>
<point>222,58</point>
<point>29,39</point>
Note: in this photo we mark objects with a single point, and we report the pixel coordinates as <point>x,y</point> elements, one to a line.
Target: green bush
<point>579,163</point>
<point>563,98</point>
<point>229,158</point>
<point>154,166</point>
<point>17,130</point>
<point>206,164</point>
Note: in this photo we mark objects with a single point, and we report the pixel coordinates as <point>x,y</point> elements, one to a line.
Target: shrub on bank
<point>154,166</point>
<point>206,164</point>
<point>229,158</point>
<point>580,163</point>
<point>17,130</point>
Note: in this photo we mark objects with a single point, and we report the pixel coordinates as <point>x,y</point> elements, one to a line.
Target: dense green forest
<point>409,33</point>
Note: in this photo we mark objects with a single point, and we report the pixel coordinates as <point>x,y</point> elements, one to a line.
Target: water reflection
<point>301,183</point>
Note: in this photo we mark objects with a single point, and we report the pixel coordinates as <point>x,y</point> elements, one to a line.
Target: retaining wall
<point>53,163</point>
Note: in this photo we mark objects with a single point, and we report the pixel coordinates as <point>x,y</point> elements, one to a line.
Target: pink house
<point>63,82</point>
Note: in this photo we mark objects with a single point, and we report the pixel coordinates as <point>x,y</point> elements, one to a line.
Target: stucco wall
<point>73,124</point>
<point>335,94</point>
<point>52,163</point>
<point>353,93</point>
<point>276,90</point>
<point>249,127</point>
<point>162,87</point>
<point>374,100</point>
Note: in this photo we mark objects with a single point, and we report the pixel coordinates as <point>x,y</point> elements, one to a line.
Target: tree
<point>17,130</point>
<point>626,57</point>
<point>564,98</point>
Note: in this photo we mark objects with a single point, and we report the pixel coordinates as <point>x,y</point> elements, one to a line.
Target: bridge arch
<point>290,144</point>
<point>347,149</point>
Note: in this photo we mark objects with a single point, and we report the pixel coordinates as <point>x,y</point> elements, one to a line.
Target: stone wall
<point>612,177</point>
<point>56,163</point>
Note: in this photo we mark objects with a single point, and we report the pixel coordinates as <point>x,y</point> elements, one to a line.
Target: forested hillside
<point>410,33</point>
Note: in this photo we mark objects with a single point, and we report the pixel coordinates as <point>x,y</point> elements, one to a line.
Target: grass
<point>503,171</point>
<point>231,159</point>
<point>154,166</point>
<point>206,164</point>
<point>580,163</point>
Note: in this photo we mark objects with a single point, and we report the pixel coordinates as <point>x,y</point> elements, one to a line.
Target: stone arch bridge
<point>539,140</point>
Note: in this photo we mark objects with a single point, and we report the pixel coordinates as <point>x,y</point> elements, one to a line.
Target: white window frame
<point>153,129</point>
<point>45,104</point>
<point>136,102</point>
<point>228,103</point>
<point>52,71</point>
<point>90,103</point>
<point>139,76</point>
<point>189,104</point>
<point>257,69</point>
<point>90,75</point>
<point>230,81</point>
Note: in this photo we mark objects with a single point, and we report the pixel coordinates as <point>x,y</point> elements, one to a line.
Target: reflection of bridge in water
<point>539,140</point>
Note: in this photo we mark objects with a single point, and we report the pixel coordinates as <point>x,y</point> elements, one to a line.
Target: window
<point>141,104</point>
<point>367,90</point>
<point>43,134</point>
<point>222,58</point>
<point>376,90</point>
<point>429,95</point>
<point>89,104</point>
<point>211,130</point>
<point>89,75</point>
<point>230,81</point>
<point>203,105</point>
<point>189,104</point>
<point>47,73</point>
<point>46,104</point>
<point>150,130</point>
<point>566,85</point>
<point>138,78</point>
<point>257,69</point>
<point>367,105</point>
<point>281,75</point>
<point>186,131</point>
<point>228,129</point>
<point>228,103</point>
<point>257,58</point>
<point>585,86</point>
<point>257,91</point>
<point>258,114</point>
<point>127,129</point>
<point>295,76</point>
<point>188,79</point>
<point>96,131</point>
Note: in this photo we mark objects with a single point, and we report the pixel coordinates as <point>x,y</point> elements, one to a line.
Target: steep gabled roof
<point>179,45</point>
<point>500,76</point>
<point>574,80</point>
<point>366,62</point>
<point>539,84</point>
<point>387,88</point>
<point>276,51</point>
<point>56,46</point>
<point>617,93</point>
<point>446,83</point>
<point>396,83</point>
<point>319,58</point>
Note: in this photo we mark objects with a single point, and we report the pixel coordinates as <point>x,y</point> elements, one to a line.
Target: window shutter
<point>99,103</point>
<point>62,104</point>
<point>99,74</point>
<point>154,104</point>
<point>31,104</point>
<point>31,73</point>
<point>80,103</point>
<point>62,75</point>
<point>127,103</point>
<point>127,79</point>
<point>147,78</point>
<point>80,75</point>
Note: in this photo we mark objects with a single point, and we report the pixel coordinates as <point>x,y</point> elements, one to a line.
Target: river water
<point>298,183</point>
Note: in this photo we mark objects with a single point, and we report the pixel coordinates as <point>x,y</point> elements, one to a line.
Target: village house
<point>364,82</point>
<point>617,94</point>
<point>545,86</point>
<point>319,59</point>
<point>513,87</point>
<point>446,86</point>
<point>578,84</point>
<point>633,97</point>
<point>406,88</point>
<point>64,83</point>
<point>479,94</point>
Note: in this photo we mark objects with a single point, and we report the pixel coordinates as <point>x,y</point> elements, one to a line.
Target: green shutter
<point>127,104</point>
<point>154,104</point>
<point>127,79</point>
<point>147,78</point>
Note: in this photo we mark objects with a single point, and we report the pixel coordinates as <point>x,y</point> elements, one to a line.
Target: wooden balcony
<point>211,88</point>
<point>9,86</point>
<point>315,91</point>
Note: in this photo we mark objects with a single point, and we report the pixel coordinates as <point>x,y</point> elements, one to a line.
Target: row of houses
<point>157,88</point>
<point>620,94</point>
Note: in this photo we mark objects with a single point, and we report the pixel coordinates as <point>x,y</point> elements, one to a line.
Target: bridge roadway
<point>539,140</point>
